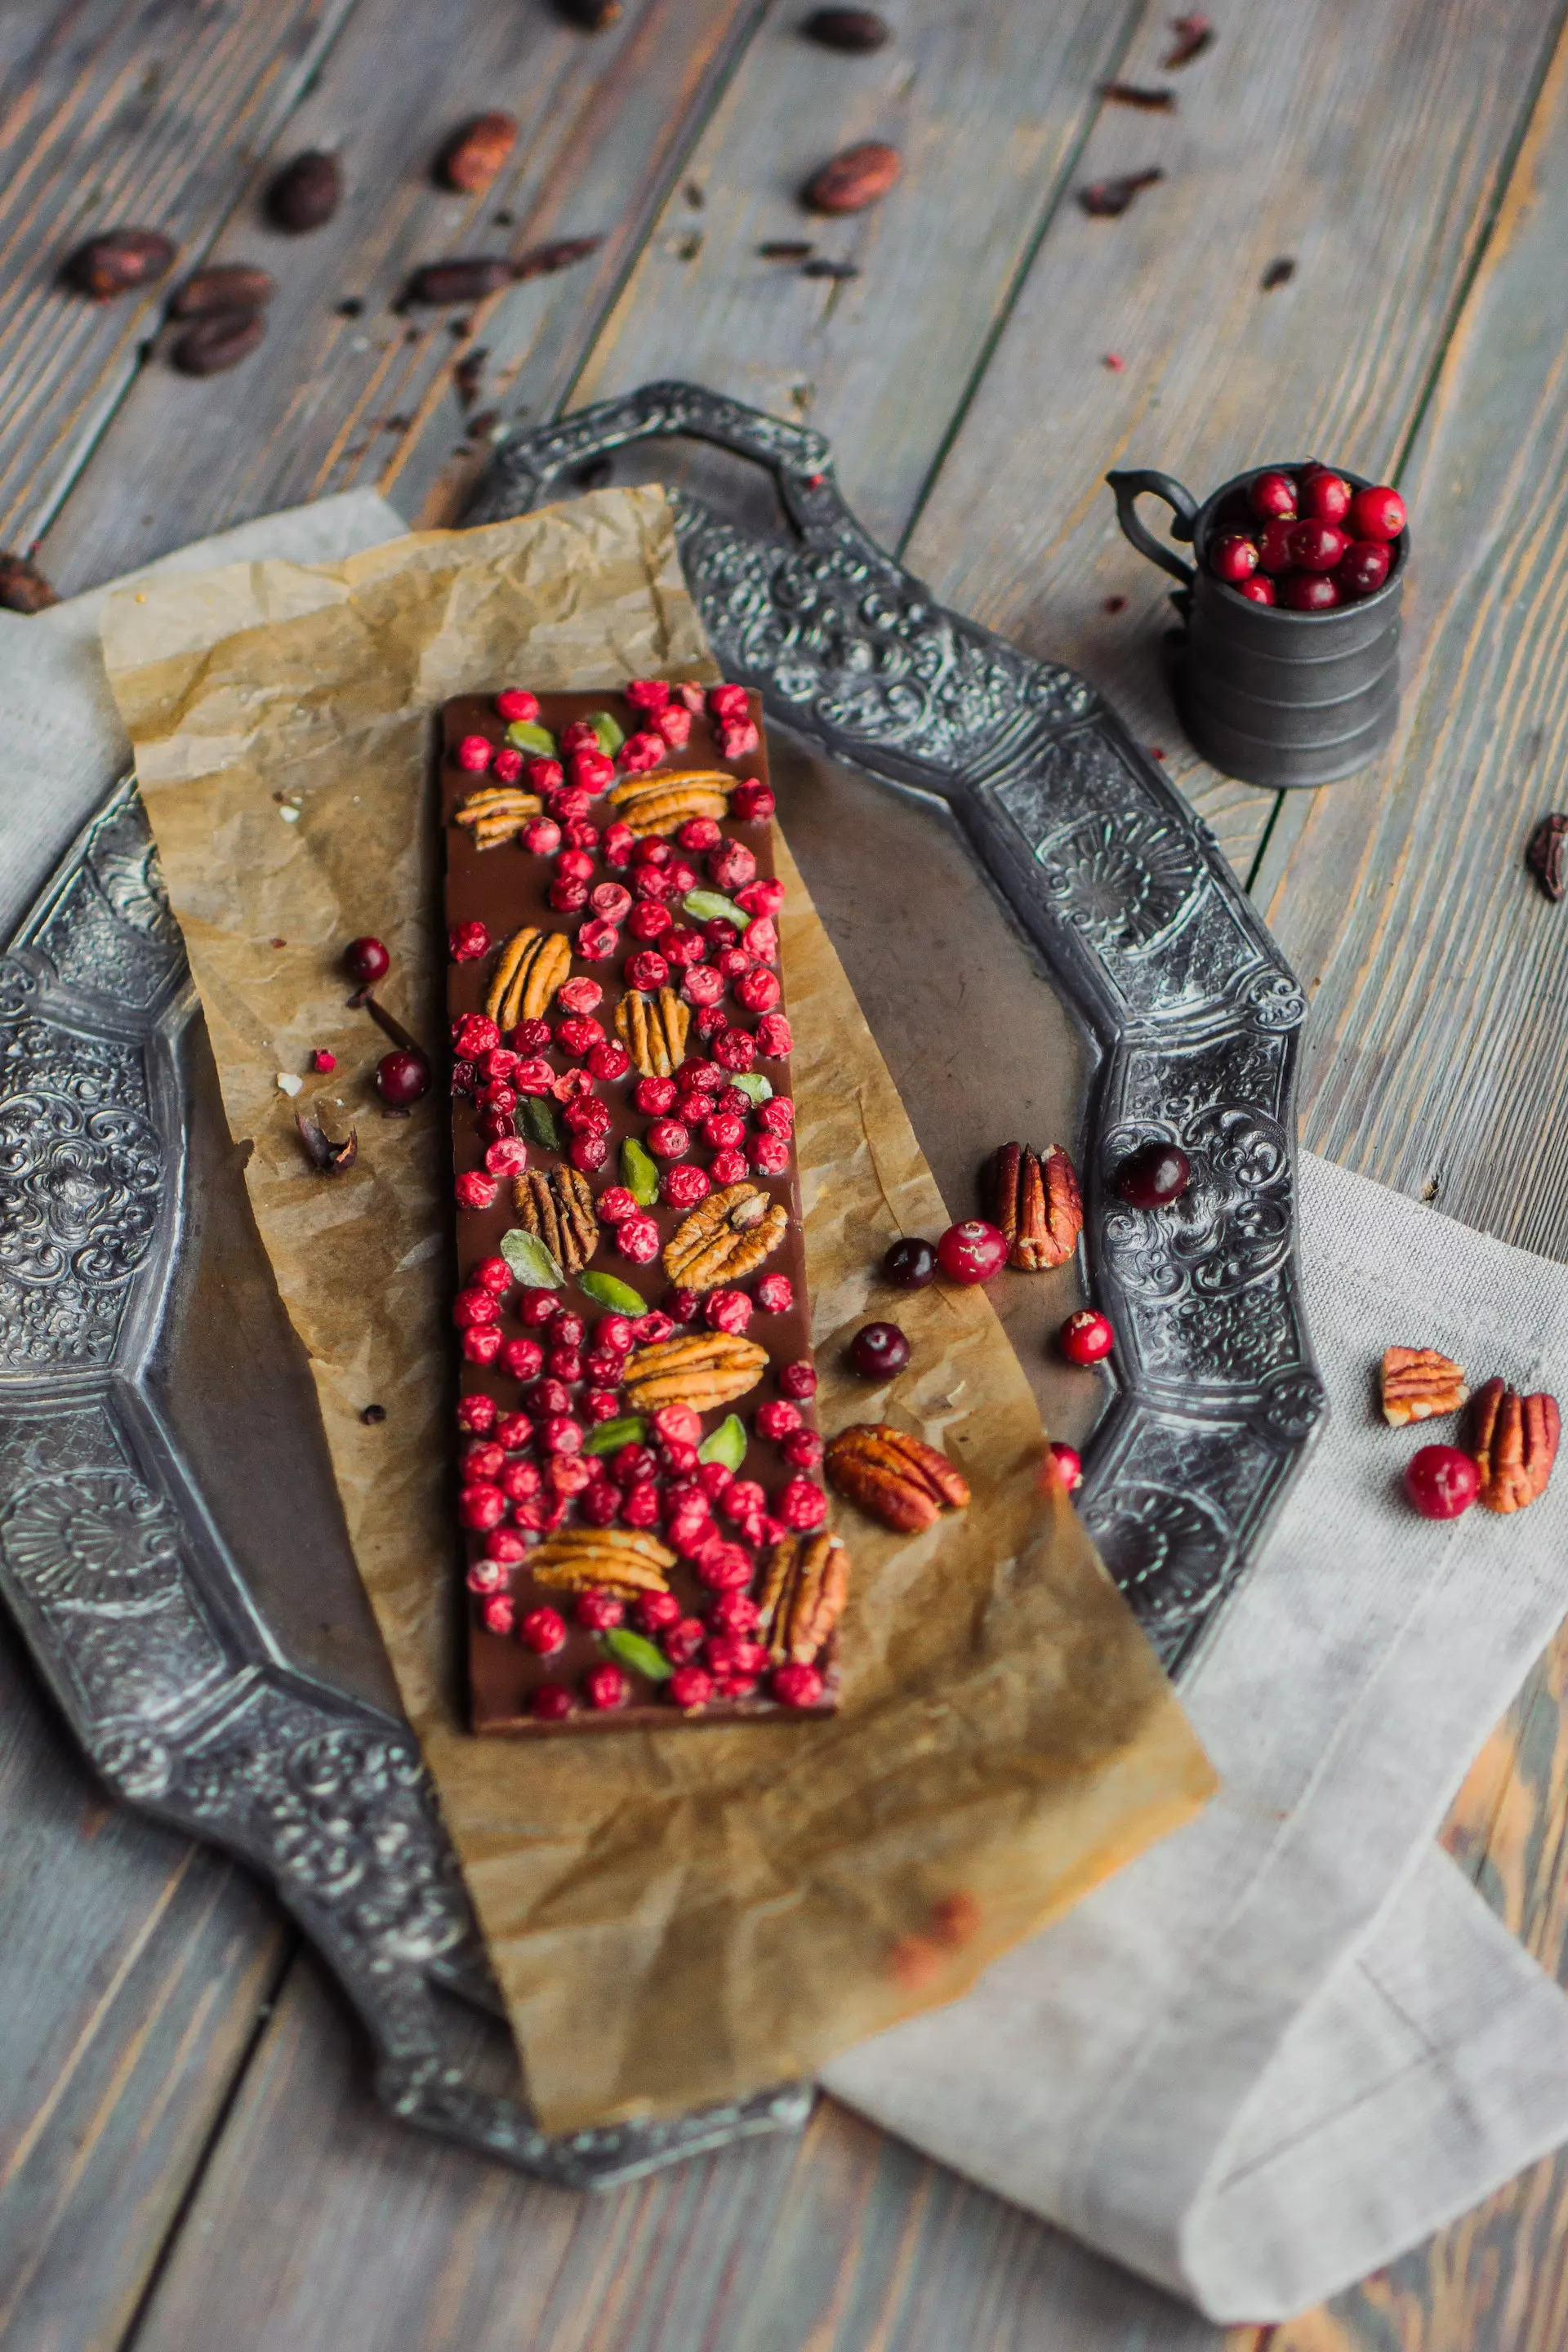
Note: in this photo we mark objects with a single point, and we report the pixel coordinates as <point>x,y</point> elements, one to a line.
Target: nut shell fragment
<point>1515,1445</point>
<point>1419,1384</point>
<point>894,1477</point>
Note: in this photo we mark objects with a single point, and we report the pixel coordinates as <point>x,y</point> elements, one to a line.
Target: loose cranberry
<point>799,1686</point>
<point>1064,1465</point>
<point>909,1264</point>
<point>972,1251</point>
<point>542,1630</point>
<point>1325,497</point>
<point>1441,1482</point>
<point>599,1612</point>
<point>1272,498</point>
<point>1377,514</point>
<point>1317,546</point>
<point>1154,1176</point>
<point>402,1078</point>
<point>1274,547</point>
<point>1234,558</point>
<point>551,1702</point>
<point>1363,567</point>
<point>1085,1337</point>
<point>1257,590</point>
<point>691,1688</point>
<point>798,1380</point>
<point>878,1350</point>
<point>366,960</point>
<point>1309,591</point>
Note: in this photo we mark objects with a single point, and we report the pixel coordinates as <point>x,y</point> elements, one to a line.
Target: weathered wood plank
<point>1286,142</point>
<point>118,113</point>
<point>331,400</point>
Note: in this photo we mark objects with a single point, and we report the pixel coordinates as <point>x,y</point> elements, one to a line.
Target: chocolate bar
<point>645,1527</point>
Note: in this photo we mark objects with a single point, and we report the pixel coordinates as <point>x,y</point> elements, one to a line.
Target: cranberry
<point>728,1310</point>
<point>677,1424</point>
<point>1085,1337</point>
<point>464,943</point>
<point>802,1505</point>
<point>1441,1482</point>
<point>1317,546</point>
<point>1363,567</point>
<point>1274,547</point>
<point>1154,1176</point>
<point>366,960</point>
<point>481,1344</point>
<point>542,1630</point>
<point>551,1702</point>
<point>638,1238</point>
<point>972,1251</point>
<point>1309,591</point>
<point>775,1294</point>
<point>1257,590</point>
<point>799,1686</point>
<point>1234,558</point>
<point>498,1613</point>
<point>798,1380</point>
<point>1325,497</point>
<point>691,1688</point>
<point>878,1350</point>
<point>477,1414</point>
<point>1272,498</point>
<point>910,1264</point>
<point>402,1078</point>
<point>1063,1465</point>
<point>1377,514</point>
<point>482,1506</point>
<point>607,1688</point>
<point>600,1612</point>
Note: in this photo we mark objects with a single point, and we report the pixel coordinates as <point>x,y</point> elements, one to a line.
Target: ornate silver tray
<point>170,1539</point>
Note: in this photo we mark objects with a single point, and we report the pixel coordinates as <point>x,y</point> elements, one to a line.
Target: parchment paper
<point>686,1916</point>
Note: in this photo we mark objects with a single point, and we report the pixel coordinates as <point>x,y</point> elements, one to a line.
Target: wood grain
<point>331,399</point>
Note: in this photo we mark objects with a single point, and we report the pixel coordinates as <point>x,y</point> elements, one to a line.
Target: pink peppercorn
<point>599,1612</point>
<point>480,1506</point>
<point>483,1461</point>
<point>728,1310</point>
<point>551,1702</point>
<point>542,1630</point>
<point>517,706</point>
<point>734,1612</point>
<point>569,805</point>
<point>507,766</point>
<point>607,1688</point>
<point>575,866</point>
<point>636,1238</point>
<point>567,896</point>
<point>578,834</point>
<point>473,754</point>
<point>542,837</point>
<point>727,1167</point>
<point>465,942</point>
<point>477,1414</point>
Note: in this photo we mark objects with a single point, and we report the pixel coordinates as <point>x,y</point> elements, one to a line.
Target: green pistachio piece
<point>611,1435</point>
<point>634,1650</point>
<point>524,735</point>
<point>639,1174</point>
<point>606,1290</point>
<point>712,907</point>
<point>727,1443</point>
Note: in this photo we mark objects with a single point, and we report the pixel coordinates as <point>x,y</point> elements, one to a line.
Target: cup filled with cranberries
<point>1289,674</point>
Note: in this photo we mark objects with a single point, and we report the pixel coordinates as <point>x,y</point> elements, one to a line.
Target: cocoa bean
<point>120,261</point>
<point>218,340</point>
<point>858,31</point>
<point>305,192</point>
<point>23,587</point>
<point>228,285</point>
<point>458,281</point>
<point>473,155</point>
<point>860,177</point>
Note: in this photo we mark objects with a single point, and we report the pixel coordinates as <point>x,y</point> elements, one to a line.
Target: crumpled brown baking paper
<point>683,1915</point>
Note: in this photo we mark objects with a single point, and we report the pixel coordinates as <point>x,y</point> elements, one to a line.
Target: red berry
<point>798,1380</point>
<point>600,1612</point>
<point>366,960</point>
<point>1234,558</point>
<point>796,1685</point>
<point>498,1612</point>
<point>542,1630</point>
<point>728,1310</point>
<point>732,865</point>
<point>481,1344</point>
<point>669,1140</point>
<point>1317,546</point>
<point>649,1331</point>
<point>802,1505</point>
<point>1441,1482</point>
<point>1085,1337</point>
<point>677,1424</point>
<point>467,941</point>
<point>473,754</point>
<point>607,1688</point>
<point>474,1190</point>
<point>551,1702</point>
<point>775,1294</point>
<point>1154,1176</point>
<point>774,1040</point>
<point>514,1430</point>
<point>777,1419</point>
<point>734,1049</point>
<point>691,1688</point>
<point>542,837</point>
<point>402,1078</point>
<point>1257,590</point>
<point>1325,497</point>
<point>1377,514</point>
<point>480,1506</point>
<point>1363,567</point>
<point>972,1251</point>
<point>1309,591</point>
<point>474,1306</point>
<point>517,704</point>
<point>722,1567</point>
<point>1274,547</point>
<point>1062,1467</point>
<point>683,1187</point>
<point>477,1414</point>
<point>646,971</point>
<point>802,1449</point>
<point>878,1350</point>
<point>638,1238</point>
<point>494,1275</point>
<point>910,1265</point>
<point>1272,498</point>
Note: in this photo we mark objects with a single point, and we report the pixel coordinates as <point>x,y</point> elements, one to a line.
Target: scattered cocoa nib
<point>854,31</point>
<point>228,285</point>
<point>465,375</point>
<point>1279,273</point>
<point>23,587</point>
<point>1514,1444</point>
<point>1104,199</point>
<point>218,341</point>
<point>786,249</point>
<point>305,192</point>
<point>590,15</point>
<point>120,261</point>
<point>474,154</point>
<point>393,1027</point>
<point>823,268</point>
<point>543,260</point>
<point>1132,93</point>
<point>1194,35</point>
<point>331,1158</point>
<point>850,182</point>
<point>1544,854</point>
<point>458,282</point>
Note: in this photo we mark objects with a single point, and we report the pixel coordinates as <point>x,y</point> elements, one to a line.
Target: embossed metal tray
<point>170,1538</point>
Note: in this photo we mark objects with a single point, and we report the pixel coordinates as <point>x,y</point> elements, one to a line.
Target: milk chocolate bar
<point>644,1524</point>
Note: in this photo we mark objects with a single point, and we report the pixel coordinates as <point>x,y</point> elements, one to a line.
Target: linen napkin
<point>1290,2040</point>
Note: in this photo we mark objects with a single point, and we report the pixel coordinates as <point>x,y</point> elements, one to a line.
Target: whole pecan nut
<point>852,182</point>
<point>802,1596</point>
<point>557,1204</point>
<point>701,1369</point>
<point>473,155</point>
<point>1036,1204</point>
<point>120,261</point>
<point>893,1477</point>
<point>1515,1444</point>
<point>726,1238</point>
<point>1419,1384</point>
<point>659,804</point>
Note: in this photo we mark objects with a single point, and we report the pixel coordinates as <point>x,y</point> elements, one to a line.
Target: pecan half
<point>619,1559</point>
<point>530,968</point>
<point>657,803</point>
<point>701,1369</point>
<point>1035,1203</point>
<point>653,1030</point>
<point>1418,1384</point>
<point>893,1477</point>
<point>557,1204</point>
<point>1515,1444</point>
<point>802,1596</point>
<point>725,1239</point>
<point>496,812</point>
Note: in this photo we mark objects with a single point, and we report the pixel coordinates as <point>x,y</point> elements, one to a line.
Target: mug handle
<point>1128,489</point>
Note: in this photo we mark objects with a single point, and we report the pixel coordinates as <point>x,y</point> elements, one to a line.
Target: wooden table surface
<point>188,2151</point>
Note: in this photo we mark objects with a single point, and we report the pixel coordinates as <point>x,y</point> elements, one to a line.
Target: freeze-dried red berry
<point>564,1364</point>
<point>734,742</point>
<point>645,749</point>
<point>724,1566</point>
<point>773,1039</point>
<point>760,938</point>
<point>636,1238</point>
<point>542,837</point>
<point>498,1612</point>
<point>603,1367</point>
<point>616,846</point>
<point>520,1359</point>
<point>682,1187</point>
<point>667,1138</point>
<point>546,775</point>
<point>734,1049</point>
<point>537,1307</point>
<point>729,702</point>
<point>653,1095</point>
<point>549,1396</point>
<point>507,766</point>
<point>640,1507</point>
<point>494,1275</point>
<point>675,725</point>
<point>777,1419</point>
<point>652,1328</point>
<point>777,1116</point>
<point>575,866</point>
<point>656,1610</point>
<point>651,850</point>
<point>702,984</point>
<point>615,1205</point>
<point>802,1449</point>
<point>482,1462</point>
<point>585,1114</point>
<point>614,1333</point>
<point>802,1505</point>
<point>795,1686</point>
<point>591,772</point>
<point>473,754</point>
<point>774,1294</point>
<point>770,1156</point>
<point>649,694</point>
<point>741,1497</point>
<point>728,1310</point>
<point>690,1689</point>
<point>721,1130</point>
<point>727,1167</point>
<point>599,1612</point>
<point>599,1503</point>
<point>518,1479</point>
<point>682,948</point>
<point>649,883</point>
<point>650,919</point>
<point>505,1546</point>
<point>465,942</point>
<point>577,735</point>
<point>752,802</point>
<point>561,1434</point>
<point>732,865</point>
<point>601,1404</point>
<point>764,897</point>
<point>551,1702</point>
<point>487,1575</point>
<point>677,1424</point>
<point>476,1415</point>
<point>698,835</point>
<point>474,1034</point>
<point>799,1379</point>
<point>646,971</point>
<point>712,1478</point>
<point>757,992</point>
<point>568,1474</point>
<point>607,1688</point>
<point>566,897</point>
<point>482,1506</point>
<point>685,1306</point>
<point>516,705</point>
<point>476,1191</point>
<point>680,1459</point>
<point>542,1630</point>
<point>474,1306</point>
<point>589,1152</point>
<point>480,1344</point>
<point>514,1430</point>
<point>577,1033</point>
<point>598,942</point>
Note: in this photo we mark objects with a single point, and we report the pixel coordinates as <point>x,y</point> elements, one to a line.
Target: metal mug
<point>1273,696</point>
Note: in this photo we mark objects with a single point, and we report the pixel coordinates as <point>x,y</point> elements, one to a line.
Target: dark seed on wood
<point>465,375</point>
<point>474,154</point>
<point>353,309</point>
<point>229,286</point>
<point>371,1414</point>
<point>1106,198</point>
<point>1148,101</point>
<point>23,587</point>
<point>1279,273</point>
<point>543,260</point>
<point>1194,35</point>
<point>305,192</point>
<point>458,282</point>
<point>823,268</point>
<point>860,177</point>
<point>856,31</point>
<point>786,249</point>
<point>590,15</point>
<point>331,1156</point>
<point>218,342</point>
<point>120,261</point>
<point>1544,854</point>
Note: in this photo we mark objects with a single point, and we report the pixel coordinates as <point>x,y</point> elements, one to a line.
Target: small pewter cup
<point>1275,697</point>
